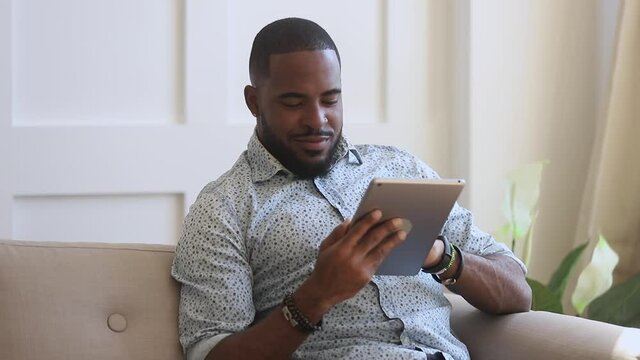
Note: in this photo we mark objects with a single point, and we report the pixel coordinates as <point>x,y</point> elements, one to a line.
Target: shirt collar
<point>264,165</point>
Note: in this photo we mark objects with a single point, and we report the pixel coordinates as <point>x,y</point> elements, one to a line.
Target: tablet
<point>425,203</point>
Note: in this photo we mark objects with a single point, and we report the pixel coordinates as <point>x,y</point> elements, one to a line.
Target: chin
<point>306,169</point>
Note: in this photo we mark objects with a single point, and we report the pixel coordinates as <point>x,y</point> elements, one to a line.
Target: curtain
<point>611,203</point>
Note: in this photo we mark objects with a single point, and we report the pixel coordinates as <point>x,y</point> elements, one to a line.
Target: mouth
<point>313,143</point>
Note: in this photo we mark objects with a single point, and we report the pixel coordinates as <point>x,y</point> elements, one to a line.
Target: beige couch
<point>118,301</point>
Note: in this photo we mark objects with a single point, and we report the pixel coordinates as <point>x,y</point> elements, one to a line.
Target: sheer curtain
<point>611,204</point>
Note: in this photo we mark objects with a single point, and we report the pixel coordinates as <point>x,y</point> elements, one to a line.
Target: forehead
<point>297,70</point>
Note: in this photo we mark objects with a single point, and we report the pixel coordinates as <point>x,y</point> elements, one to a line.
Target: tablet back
<point>425,203</point>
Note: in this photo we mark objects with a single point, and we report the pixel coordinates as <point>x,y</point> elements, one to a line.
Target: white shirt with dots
<point>252,236</point>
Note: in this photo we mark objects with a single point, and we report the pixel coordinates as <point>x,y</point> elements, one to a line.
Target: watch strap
<point>452,280</point>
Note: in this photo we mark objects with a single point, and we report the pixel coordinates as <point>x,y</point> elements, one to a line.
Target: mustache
<point>315,132</point>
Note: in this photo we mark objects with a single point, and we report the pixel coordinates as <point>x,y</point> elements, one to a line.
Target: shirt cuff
<point>502,249</point>
<point>202,348</point>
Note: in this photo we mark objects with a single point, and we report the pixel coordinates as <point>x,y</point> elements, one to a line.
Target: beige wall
<point>536,83</point>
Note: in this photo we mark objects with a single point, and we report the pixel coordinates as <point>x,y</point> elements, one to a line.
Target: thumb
<point>335,235</point>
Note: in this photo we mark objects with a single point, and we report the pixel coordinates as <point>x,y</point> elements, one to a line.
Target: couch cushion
<point>540,335</point>
<point>87,301</point>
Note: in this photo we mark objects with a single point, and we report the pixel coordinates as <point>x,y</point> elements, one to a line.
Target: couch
<point>118,301</point>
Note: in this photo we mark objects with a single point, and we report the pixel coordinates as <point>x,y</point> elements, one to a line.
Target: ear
<point>251,99</point>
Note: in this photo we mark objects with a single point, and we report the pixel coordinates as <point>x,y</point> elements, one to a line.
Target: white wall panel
<point>115,97</point>
<point>79,62</point>
<point>93,218</point>
<point>5,117</point>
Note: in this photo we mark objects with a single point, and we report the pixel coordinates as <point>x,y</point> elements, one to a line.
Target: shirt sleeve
<point>202,348</point>
<point>212,268</point>
<point>461,231</point>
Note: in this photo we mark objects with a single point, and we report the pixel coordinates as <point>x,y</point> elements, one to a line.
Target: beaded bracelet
<point>293,315</point>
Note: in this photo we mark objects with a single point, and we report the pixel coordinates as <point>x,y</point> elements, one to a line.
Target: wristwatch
<point>452,280</point>
<point>447,258</point>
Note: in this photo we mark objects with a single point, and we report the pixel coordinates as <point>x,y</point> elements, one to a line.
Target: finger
<point>379,233</point>
<point>360,228</point>
<point>336,234</point>
<point>380,252</point>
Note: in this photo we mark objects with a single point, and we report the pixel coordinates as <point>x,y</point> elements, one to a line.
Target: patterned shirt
<point>252,236</point>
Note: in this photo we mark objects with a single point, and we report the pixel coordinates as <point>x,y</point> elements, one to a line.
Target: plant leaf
<point>560,277</point>
<point>504,235</point>
<point>524,184</point>
<point>507,209</point>
<point>528,241</point>
<point>597,277</point>
<point>620,305</point>
<point>543,298</point>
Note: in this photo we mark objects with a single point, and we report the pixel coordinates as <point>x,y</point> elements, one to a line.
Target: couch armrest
<point>540,335</point>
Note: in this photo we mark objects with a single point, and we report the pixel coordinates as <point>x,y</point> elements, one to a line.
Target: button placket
<point>332,197</point>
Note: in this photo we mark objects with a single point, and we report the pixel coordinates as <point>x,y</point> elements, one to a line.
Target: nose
<point>315,118</point>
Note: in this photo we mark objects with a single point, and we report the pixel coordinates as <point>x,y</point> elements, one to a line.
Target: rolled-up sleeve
<point>461,230</point>
<point>212,267</point>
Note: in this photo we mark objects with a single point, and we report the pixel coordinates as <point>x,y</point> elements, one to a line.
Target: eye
<point>291,102</point>
<point>331,100</point>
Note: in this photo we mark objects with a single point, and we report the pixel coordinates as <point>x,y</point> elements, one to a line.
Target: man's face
<point>299,110</point>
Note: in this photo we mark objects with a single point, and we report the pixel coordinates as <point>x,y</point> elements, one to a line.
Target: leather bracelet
<point>452,280</point>
<point>297,320</point>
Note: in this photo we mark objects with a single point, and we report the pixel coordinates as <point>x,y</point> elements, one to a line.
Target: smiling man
<point>269,263</point>
<point>298,106</point>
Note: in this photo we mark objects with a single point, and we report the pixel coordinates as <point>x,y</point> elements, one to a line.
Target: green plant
<point>520,207</point>
<point>593,297</point>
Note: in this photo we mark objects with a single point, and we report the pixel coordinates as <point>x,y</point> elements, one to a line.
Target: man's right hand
<point>348,259</point>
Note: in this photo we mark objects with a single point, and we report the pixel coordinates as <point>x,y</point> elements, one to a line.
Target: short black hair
<point>286,36</point>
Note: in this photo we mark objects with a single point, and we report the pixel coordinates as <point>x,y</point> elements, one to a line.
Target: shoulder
<point>381,150</point>
<point>232,183</point>
<point>400,159</point>
<point>224,194</point>
<point>215,217</point>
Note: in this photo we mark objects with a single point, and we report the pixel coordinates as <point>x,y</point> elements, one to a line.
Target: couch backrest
<point>87,301</point>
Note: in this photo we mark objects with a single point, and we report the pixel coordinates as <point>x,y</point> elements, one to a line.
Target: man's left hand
<point>435,254</point>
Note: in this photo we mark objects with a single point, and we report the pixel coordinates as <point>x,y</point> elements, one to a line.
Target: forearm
<point>495,284</point>
<point>273,337</point>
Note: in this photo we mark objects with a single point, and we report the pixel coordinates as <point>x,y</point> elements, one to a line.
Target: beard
<point>302,168</point>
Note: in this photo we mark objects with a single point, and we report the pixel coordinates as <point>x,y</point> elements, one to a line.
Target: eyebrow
<point>336,91</point>
<point>302,96</point>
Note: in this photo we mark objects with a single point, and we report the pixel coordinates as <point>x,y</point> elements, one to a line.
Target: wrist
<point>436,254</point>
<point>296,318</point>
<point>445,259</point>
<point>311,302</point>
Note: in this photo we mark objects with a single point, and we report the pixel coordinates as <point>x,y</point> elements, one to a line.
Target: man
<point>270,265</point>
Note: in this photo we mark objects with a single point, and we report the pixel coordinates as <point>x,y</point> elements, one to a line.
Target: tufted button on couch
<point>118,301</point>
